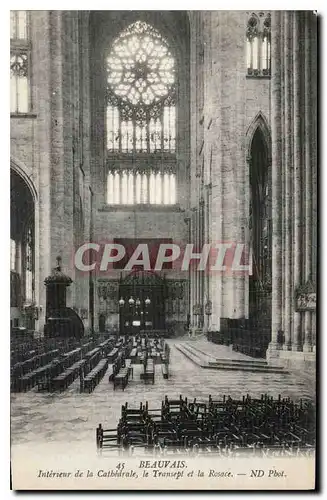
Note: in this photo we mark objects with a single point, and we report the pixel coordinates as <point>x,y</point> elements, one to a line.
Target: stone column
<point>276,182</point>
<point>134,185</point>
<point>313,330</point>
<point>202,241</point>
<point>72,179</point>
<point>298,185</point>
<point>148,173</point>
<point>314,122</point>
<point>62,176</point>
<point>232,111</point>
<point>283,71</point>
<point>199,247</point>
<point>307,345</point>
<point>207,294</point>
<point>216,276</point>
<point>192,270</point>
<point>188,223</point>
<point>288,18</point>
<point>58,232</point>
<point>196,262</point>
<point>84,57</point>
<point>121,187</point>
<point>41,73</point>
<point>66,25</point>
<point>214,84</point>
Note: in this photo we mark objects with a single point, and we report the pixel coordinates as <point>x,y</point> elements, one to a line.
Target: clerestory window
<point>13,255</point>
<point>19,62</point>
<point>141,117</point>
<point>29,264</point>
<point>18,25</point>
<point>258,44</point>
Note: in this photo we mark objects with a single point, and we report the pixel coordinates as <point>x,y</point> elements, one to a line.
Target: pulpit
<point>61,321</point>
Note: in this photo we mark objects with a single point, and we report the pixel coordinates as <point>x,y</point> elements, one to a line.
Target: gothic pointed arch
<point>23,198</point>
<point>259,122</point>
<point>26,174</point>
<point>259,162</point>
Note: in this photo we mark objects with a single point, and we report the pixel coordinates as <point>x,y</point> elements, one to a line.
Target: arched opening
<point>260,230</point>
<point>22,253</point>
<point>142,303</point>
<point>102,323</point>
<point>140,105</point>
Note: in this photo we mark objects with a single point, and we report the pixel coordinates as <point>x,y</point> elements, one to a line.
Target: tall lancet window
<point>29,265</point>
<point>141,118</point>
<point>258,44</point>
<point>19,62</point>
<point>260,226</point>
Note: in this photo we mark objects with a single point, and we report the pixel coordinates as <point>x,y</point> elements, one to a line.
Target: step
<point>196,360</point>
<point>230,366</point>
<point>246,365</point>
<point>195,354</point>
<point>226,365</point>
<point>238,361</point>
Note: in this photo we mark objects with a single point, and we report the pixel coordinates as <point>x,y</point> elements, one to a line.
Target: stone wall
<point>225,105</point>
<point>294,182</point>
<point>51,144</point>
<point>60,149</point>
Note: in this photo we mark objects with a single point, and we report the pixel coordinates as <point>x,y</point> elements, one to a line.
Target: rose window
<point>141,116</point>
<point>140,66</point>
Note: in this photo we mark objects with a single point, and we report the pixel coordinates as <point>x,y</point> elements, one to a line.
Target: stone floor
<point>41,419</point>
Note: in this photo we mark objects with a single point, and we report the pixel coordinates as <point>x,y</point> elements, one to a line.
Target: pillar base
<point>39,334</point>
<point>292,359</point>
<point>274,346</point>
<point>273,352</point>
<point>296,348</point>
<point>307,348</point>
<point>196,332</point>
<point>39,324</point>
<point>287,347</point>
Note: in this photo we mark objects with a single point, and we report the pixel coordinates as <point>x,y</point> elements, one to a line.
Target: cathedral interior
<point>146,128</point>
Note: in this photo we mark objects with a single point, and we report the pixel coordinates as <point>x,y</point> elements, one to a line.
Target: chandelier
<point>131,301</point>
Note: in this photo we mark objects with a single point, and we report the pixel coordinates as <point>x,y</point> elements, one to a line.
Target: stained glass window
<point>13,255</point>
<point>18,24</point>
<point>19,89</point>
<point>141,116</point>
<point>140,92</point>
<point>29,266</point>
<point>258,40</point>
<point>128,188</point>
<point>19,62</point>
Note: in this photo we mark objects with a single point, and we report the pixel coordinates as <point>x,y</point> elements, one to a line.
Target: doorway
<point>260,231</point>
<point>142,298</point>
<point>102,323</point>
